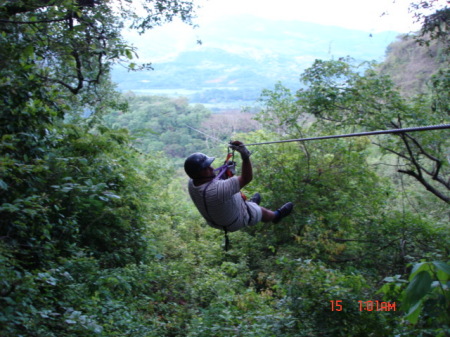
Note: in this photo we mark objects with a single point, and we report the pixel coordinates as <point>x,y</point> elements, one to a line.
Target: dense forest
<point>98,236</point>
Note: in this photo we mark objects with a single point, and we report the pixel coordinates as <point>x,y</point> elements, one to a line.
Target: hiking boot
<point>283,211</point>
<point>256,198</point>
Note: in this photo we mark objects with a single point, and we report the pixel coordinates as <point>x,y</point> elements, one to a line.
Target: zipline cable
<point>203,133</point>
<point>359,134</point>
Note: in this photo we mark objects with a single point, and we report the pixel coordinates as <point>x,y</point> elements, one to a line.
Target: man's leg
<point>275,217</point>
<point>267,215</point>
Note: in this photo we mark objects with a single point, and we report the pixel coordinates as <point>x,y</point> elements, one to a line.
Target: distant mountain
<point>241,55</point>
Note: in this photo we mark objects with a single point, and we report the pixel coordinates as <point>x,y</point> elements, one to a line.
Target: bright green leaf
<point>443,270</point>
<point>417,268</point>
<point>418,288</point>
<point>414,312</point>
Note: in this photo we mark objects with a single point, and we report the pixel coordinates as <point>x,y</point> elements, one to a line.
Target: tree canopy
<point>74,43</point>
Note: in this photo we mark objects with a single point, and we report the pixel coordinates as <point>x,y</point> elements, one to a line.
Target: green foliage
<point>341,98</point>
<point>346,214</point>
<point>435,23</point>
<point>425,299</point>
<point>311,293</point>
<point>85,191</point>
<point>162,124</point>
<point>247,314</point>
<point>80,298</point>
<point>74,199</point>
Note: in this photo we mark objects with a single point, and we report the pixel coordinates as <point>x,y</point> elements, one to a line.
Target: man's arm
<point>247,171</point>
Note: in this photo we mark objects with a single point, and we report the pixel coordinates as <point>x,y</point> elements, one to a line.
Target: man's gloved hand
<point>240,147</point>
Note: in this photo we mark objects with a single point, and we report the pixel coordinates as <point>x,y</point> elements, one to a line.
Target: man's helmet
<point>197,162</point>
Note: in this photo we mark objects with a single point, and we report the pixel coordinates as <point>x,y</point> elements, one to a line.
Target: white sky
<point>355,14</point>
<point>365,15</point>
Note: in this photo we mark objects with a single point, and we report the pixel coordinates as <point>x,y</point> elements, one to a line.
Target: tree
<point>435,24</point>
<point>159,123</point>
<point>340,96</point>
<point>73,194</point>
<point>74,43</point>
<point>55,61</point>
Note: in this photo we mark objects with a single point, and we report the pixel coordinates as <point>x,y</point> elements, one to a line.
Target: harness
<point>227,170</point>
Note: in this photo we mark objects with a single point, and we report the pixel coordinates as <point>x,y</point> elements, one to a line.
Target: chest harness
<point>227,170</point>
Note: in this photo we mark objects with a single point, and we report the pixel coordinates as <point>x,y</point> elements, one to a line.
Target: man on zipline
<point>220,202</point>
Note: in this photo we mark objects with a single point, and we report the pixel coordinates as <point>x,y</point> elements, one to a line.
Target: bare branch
<point>31,22</point>
<point>417,174</point>
<point>429,188</point>
<point>401,155</point>
<point>438,163</point>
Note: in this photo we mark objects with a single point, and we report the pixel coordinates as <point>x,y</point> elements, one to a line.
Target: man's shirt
<point>224,204</point>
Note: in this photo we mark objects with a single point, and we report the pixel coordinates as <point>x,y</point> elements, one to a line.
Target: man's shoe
<point>283,211</point>
<point>256,198</point>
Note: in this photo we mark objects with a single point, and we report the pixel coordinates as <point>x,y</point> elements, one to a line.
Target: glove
<point>240,147</point>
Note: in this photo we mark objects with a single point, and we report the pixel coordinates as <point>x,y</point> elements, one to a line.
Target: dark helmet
<point>197,162</point>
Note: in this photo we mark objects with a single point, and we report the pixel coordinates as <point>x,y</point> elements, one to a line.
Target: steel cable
<point>359,134</point>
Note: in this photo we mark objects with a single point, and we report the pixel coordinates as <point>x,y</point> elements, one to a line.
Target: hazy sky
<point>365,15</point>
<point>356,14</point>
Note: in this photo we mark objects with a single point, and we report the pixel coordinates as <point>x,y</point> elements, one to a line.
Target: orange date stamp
<point>366,306</point>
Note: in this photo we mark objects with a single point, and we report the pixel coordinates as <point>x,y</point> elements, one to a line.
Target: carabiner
<point>230,155</point>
